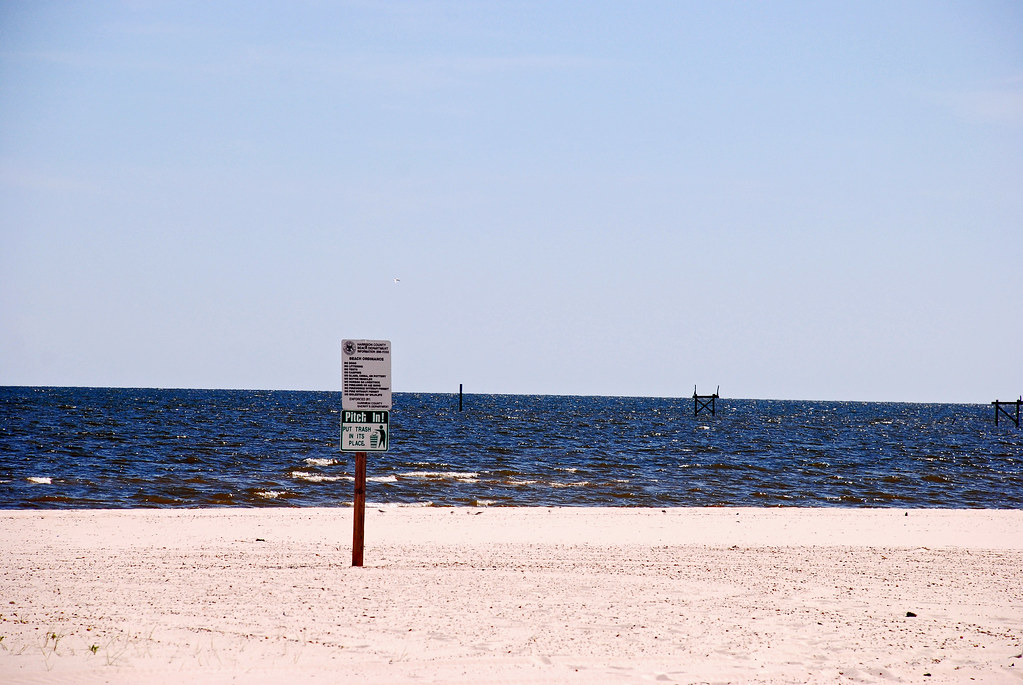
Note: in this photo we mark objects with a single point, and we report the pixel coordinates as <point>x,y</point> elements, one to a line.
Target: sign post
<point>359,509</point>
<point>365,414</point>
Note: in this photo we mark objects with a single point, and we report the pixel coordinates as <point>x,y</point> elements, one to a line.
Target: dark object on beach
<point>910,614</point>
<point>260,539</point>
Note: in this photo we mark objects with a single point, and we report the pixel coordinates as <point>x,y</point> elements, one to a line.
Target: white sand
<point>512,595</point>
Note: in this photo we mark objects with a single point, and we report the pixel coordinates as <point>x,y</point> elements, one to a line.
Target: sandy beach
<point>512,595</point>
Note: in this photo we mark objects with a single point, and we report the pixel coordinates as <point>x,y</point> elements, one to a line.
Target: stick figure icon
<point>381,438</point>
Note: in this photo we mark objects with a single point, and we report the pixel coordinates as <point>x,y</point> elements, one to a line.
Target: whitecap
<point>315,477</point>
<point>464,476</point>
<point>41,480</point>
<point>270,494</point>
<point>319,461</point>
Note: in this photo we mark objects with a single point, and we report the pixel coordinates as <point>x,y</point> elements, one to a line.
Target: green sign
<point>365,430</point>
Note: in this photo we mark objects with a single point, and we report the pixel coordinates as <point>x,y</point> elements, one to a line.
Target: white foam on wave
<point>317,478</point>
<point>41,480</point>
<point>577,484</point>
<point>319,461</point>
<point>485,502</point>
<point>270,494</point>
<point>460,476</point>
<point>514,481</point>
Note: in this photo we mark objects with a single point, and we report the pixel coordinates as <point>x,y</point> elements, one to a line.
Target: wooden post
<point>701,402</point>
<point>359,506</point>
<point>999,409</point>
<point>459,397</point>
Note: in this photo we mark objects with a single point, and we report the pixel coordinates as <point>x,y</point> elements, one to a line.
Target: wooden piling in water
<point>999,409</point>
<point>703,402</point>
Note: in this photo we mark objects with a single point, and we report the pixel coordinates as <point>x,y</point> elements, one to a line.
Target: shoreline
<point>784,526</point>
<point>562,595</point>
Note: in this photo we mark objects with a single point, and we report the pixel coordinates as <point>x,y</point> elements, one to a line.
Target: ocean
<point>66,448</point>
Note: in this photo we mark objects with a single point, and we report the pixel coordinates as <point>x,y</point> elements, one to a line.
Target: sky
<point>789,200</point>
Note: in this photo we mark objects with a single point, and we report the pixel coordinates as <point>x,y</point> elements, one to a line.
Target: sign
<point>365,410</point>
<point>365,374</point>
<point>364,431</point>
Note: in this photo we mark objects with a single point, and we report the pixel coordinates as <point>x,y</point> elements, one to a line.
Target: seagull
<point>397,280</point>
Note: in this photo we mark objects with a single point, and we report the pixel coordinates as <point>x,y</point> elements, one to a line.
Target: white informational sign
<point>365,374</point>
<point>364,431</point>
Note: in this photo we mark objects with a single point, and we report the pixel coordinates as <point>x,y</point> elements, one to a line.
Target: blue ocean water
<point>64,448</point>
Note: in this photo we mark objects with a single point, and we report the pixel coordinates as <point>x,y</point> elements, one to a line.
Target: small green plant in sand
<point>94,648</point>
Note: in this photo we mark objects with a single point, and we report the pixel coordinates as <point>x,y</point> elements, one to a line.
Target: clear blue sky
<point>803,200</point>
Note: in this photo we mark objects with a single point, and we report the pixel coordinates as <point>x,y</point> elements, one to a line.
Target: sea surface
<point>64,448</point>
